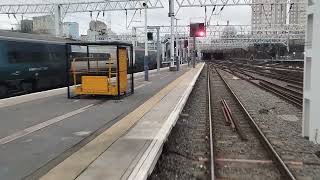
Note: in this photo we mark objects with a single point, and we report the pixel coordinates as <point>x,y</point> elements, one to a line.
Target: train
<point>30,63</point>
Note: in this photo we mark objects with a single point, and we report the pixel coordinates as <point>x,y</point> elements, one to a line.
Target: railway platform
<point>45,135</point>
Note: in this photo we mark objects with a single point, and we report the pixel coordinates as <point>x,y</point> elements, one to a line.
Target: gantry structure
<point>234,36</point>
<point>74,6</point>
<point>59,8</point>
<point>218,36</point>
<point>203,3</point>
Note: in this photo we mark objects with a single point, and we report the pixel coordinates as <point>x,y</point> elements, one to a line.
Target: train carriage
<point>30,62</point>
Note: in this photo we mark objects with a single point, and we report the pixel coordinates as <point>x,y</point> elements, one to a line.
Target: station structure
<point>311,124</point>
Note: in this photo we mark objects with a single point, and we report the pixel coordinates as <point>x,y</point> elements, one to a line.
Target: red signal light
<point>197,30</point>
<point>201,33</point>
<point>201,30</point>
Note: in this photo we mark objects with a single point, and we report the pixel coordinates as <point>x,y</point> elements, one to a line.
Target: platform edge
<point>149,159</point>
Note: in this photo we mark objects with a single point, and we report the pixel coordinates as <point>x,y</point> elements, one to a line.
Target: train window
<point>19,52</point>
<point>101,53</point>
<point>56,53</point>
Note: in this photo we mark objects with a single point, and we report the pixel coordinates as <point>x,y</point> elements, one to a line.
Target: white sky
<point>239,15</point>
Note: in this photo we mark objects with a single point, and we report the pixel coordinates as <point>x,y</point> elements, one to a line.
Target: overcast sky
<point>239,15</point>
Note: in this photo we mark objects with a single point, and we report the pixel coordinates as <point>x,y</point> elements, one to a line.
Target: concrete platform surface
<point>130,148</point>
<point>40,130</point>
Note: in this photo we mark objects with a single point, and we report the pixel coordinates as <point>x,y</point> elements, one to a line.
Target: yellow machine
<point>100,74</point>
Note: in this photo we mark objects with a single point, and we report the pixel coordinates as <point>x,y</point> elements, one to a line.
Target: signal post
<point>196,30</point>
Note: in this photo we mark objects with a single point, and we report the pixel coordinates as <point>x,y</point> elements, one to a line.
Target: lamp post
<point>146,54</point>
<point>177,58</point>
<point>171,15</point>
<point>158,48</point>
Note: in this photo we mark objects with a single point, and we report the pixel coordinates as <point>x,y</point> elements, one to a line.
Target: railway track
<point>289,93</point>
<point>235,157</point>
<point>281,77</point>
<point>293,96</point>
<point>290,77</point>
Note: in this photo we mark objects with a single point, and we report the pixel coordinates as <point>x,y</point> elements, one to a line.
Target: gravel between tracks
<point>186,153</point>
<point>282,124</point>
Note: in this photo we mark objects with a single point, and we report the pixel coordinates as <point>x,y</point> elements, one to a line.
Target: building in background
<point>71,30</point>
<point>267,13</point>
<point>297,13</point>
<point>98,30</point>
<point>98,26</point>
<point>43,24</point>
<point>269,16</point>
<point>26,26</point>
<point>298,16</point>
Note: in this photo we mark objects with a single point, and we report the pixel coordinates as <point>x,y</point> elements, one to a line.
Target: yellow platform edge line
<point>75,164</point>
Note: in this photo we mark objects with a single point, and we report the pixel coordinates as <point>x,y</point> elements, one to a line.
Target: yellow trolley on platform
<point>100,69</point>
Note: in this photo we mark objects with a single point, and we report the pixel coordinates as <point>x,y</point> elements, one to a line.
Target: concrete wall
<point>311,102</point>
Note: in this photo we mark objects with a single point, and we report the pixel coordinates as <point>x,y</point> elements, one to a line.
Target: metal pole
<point>205,16</point>
<point>57,20</point>
<point>183,54</point>
<point>134,39</point>
<point>188,52</point>
<point>163,48</point>
<point>177,57</point>
<point>131,64</point>
<point>146,58</point>
<point>194,53</point>
<point>158,48</point>
<point>171,15</point>
<point>288,44</point>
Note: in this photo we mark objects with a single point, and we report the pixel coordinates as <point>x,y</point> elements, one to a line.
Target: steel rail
<point>279,77</point>
<point>284,170</point>
<point>234,123</point>
<point>210,129</point>
<point>281,93</point>
<point>268,86</point>
<point>285,96</point>
<point>282,90</point>
<point>293,92</point>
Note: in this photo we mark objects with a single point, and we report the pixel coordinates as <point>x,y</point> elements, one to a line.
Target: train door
<point>4,69</point>
<point>47,65</point>
<point>28,63</point>
<point>56,63</point>
<point>19,59</point>
<point>37,66</point>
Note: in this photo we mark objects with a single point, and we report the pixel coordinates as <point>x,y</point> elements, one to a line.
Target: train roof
<point>10,35</point>
<point>47,38</point>
<point>112,43</point>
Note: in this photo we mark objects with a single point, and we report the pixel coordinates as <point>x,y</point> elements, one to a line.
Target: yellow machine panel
<point>103,75</point>
<point>123,58</point>
<point>95,85</point>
